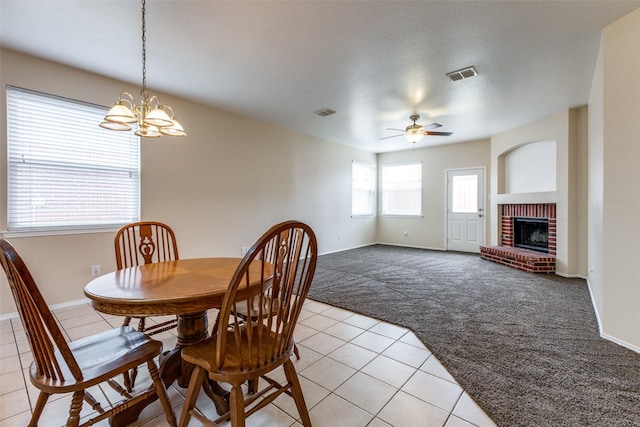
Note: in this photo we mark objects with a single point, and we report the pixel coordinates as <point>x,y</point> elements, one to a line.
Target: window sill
<point>403,216</point>
<point>58,232</point>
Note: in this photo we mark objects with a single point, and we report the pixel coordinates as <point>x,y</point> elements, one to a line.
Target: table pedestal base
<point>192,328</point>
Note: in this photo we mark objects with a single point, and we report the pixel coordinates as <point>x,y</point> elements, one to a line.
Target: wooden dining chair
<point>61,367</point>
<point>251,309</point>
<point>242,351</point>
<point>142,243</point>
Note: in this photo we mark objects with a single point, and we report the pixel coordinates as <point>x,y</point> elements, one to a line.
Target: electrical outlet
<point>244,250</point>
<point>406,233</point>
<point>95,270</point>
<point>339,236</point>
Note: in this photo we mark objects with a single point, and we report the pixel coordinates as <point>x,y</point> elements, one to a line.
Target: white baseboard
<point>68,304</point>
<point>595,309</point>
<point>571,276</point>
<point>411,246</point>
<point>620,342</point>
<point>347,249</point>
<point>602,334</point>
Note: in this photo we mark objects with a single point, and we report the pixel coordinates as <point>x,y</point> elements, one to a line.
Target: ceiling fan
<point>415,132</point>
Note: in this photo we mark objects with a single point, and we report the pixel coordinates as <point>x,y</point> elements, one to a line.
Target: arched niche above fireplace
<point>529,168</point>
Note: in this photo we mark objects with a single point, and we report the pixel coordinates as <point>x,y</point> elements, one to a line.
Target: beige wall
<point>430,230</point>
<point>596,183</point>
<point>565,129</point>
<point>218,188</point>
<point>614,182</point>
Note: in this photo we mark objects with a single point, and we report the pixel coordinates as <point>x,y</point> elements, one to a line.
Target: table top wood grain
<point>173,287</point>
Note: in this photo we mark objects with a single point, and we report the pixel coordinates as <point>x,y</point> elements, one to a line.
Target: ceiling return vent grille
<point>325,112</point>
<point>463,73</point>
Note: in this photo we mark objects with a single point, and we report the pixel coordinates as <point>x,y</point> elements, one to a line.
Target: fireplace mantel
<point>525,198</point>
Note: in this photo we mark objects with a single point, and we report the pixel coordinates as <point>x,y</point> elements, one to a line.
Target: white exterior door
<point>465,210</point>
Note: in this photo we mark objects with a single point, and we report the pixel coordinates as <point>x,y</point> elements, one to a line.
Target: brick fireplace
<point>533,261</point>
<point>544,210</point>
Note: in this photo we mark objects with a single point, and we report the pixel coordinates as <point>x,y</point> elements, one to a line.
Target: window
<point>402,189</point>
<point>464,194</point>
<point>363,189</point>
<point>64,171</point>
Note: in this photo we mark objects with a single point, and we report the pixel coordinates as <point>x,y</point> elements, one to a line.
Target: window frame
<point>374,193</point>
<point>123,157</point>
<point>384,192</point>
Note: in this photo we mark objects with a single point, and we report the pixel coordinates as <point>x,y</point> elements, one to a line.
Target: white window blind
<point>64,171</point>
<point>402,189</point>
<point>363,189</point>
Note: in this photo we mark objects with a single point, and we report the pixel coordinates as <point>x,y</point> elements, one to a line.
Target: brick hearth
<point>522,259</point>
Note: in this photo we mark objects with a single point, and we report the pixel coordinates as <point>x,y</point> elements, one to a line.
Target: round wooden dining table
<point>186,288</point>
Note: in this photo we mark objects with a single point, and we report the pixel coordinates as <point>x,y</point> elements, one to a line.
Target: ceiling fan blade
<point>437,133</point>
<point>392,136</point>
<point>399,130</point>
<point>432,126</point>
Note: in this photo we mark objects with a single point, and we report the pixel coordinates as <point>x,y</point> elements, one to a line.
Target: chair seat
<point>203,354</point>
<point>99,356</point>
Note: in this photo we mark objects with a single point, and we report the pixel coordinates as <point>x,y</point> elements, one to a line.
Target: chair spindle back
<point>287,255</point>
<point>143,243</point>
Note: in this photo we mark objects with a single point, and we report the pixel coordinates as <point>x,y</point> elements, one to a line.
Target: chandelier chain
<point>143,92</point>
<point>151,116</point>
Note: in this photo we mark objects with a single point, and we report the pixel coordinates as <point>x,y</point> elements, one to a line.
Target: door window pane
<point>464,194</point>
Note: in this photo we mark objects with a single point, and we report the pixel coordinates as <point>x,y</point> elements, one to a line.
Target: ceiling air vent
<point>463,73</point>
<point>325,112</point>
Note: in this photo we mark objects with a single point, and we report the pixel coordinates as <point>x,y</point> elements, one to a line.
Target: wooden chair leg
<point>133,374</point>
<point>126,379</point>
<point>37,411</point>
<point>129,383</point>
<point>236,406</point>
<point>76,407</point>
<point>296,391</point>
<point>252,386</point>
<point>195,384</point>
<point>296,351</point>
<point>162,393</point>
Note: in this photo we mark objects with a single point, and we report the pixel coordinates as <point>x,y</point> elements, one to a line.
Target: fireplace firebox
<point>531,233</point>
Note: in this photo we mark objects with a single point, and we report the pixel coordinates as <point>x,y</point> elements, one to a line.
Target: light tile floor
<point>354,370</point>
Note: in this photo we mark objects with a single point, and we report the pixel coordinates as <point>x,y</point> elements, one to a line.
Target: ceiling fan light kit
<point>413,137</point>
<point>414,132</point>
<point>153,118</point>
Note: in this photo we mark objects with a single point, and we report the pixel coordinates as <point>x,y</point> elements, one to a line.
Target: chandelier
<point>153,119</point>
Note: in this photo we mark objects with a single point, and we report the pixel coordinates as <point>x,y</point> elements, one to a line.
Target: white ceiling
<point>374,62</point>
